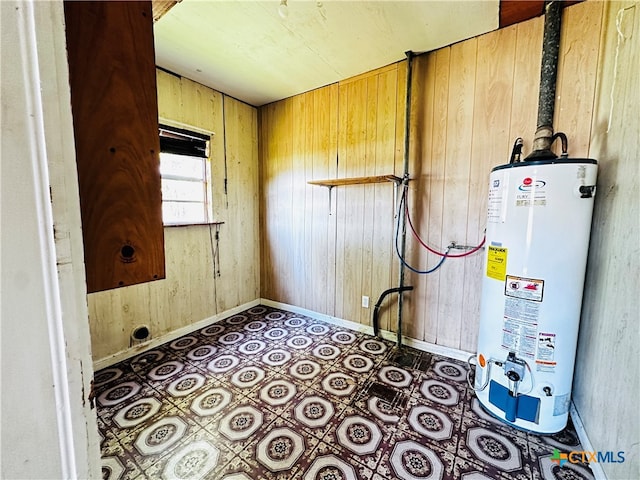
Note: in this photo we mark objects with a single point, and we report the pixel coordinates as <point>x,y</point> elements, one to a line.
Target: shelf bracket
<point>336,182</point>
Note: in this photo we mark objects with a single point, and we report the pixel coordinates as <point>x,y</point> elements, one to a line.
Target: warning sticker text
<point>526,288</point>
<point>497,263</point>
<point>520,327</point>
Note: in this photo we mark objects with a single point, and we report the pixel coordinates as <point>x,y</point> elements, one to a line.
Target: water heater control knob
<point>514,367</point>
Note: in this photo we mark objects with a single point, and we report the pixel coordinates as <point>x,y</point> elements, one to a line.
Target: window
<point>184,169</point>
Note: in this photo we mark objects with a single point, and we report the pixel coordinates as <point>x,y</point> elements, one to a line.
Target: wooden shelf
<point>336,182</point>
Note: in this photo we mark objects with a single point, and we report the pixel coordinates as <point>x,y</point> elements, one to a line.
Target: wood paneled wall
<point>469,103</point>
<point>316,255</point>
<point>191,291</point>
<point>606,382</point>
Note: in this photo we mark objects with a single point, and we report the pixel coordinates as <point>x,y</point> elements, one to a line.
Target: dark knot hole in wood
<point>127,254</point>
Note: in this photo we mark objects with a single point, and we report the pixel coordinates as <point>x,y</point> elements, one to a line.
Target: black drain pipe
<point>544,136</point>
<point>376,309</point>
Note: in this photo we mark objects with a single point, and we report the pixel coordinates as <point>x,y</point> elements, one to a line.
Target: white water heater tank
<point>538,227</point>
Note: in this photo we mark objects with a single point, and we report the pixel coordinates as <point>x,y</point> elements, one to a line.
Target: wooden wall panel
<point>170,101</point>
<point>115,118</point>
<point>239,278</point>
<point>352,144</point>
<point>300,104</point>
<point>470,101</point>
<point>491,122</point>
<point>307,210</point>
<point>367,131</point>
<point>389,124</point>
<point>579,44</point>
<point>192,290</point>
<point>421,131</point>
<point>435,194</point>
<point>460,115</point>
<point>284,183</point>
<point>401,97</point>
<point>526,82</point>
<point>329,153</point>
<point>267,204</point>
<point>609,329</point>
<point>298,135</point>
<point>313,256</point>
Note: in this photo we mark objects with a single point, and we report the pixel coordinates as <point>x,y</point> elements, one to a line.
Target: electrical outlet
<point>365,301</point>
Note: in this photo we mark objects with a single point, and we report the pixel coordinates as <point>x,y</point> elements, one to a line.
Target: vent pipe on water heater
<point>544,136</point>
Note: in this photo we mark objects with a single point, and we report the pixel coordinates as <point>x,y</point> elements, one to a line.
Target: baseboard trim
<point>153,343</point>
<point>358,327</point>
<point>596,468</point>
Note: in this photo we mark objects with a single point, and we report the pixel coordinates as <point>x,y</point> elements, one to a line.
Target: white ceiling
<point>246,50</point>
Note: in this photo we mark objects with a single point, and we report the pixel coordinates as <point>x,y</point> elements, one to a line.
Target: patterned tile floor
<point>269,394</point>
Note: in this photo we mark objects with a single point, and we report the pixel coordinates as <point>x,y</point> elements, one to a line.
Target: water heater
<point>538,226</point>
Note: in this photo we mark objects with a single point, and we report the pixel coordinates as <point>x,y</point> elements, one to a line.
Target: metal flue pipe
<point>405,186</point>
<point>544,136</point>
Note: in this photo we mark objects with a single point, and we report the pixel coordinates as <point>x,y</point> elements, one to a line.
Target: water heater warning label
<point>545,360</point>
<point>520,327</point>
<point>525,288</point>
<point>497,263</point>
<point>495,204</point>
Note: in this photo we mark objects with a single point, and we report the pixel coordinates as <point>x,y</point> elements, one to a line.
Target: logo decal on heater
<point>528,184</point>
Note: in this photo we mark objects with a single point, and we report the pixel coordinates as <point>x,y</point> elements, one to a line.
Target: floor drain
<point>394,398</point>
<point>411,358</point>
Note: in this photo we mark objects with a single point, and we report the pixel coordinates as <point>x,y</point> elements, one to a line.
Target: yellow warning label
<point>497,263</point>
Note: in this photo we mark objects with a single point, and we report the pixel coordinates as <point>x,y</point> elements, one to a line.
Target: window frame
<point>187,132</point>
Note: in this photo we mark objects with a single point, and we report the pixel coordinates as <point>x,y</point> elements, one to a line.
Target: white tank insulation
<point>538,227</point>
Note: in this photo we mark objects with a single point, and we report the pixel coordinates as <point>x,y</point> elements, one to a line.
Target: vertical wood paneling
<point>239,249</point>
<point>297,188</point>
<point>577,68</point>
<point>401,96</point>
<point>366,145</point>
<point>383,274</point>
<point>278,210</point>
<point>526,81</point>
<point>285,198</point>
<point>191,292</point>
<point>436,187</point>
<point>456,185</point>
<point>421,131</point>
<point>491,123</point>
<point>352,144</point>
<point>609,328</point>
<point>469,103</point>
<point>309,148</point>
<point>170,102</point>
<point>366,240</point>
<point>263,174</point>
<point>332,234</point>
<point>269,199</point>
<point>342,130</point>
